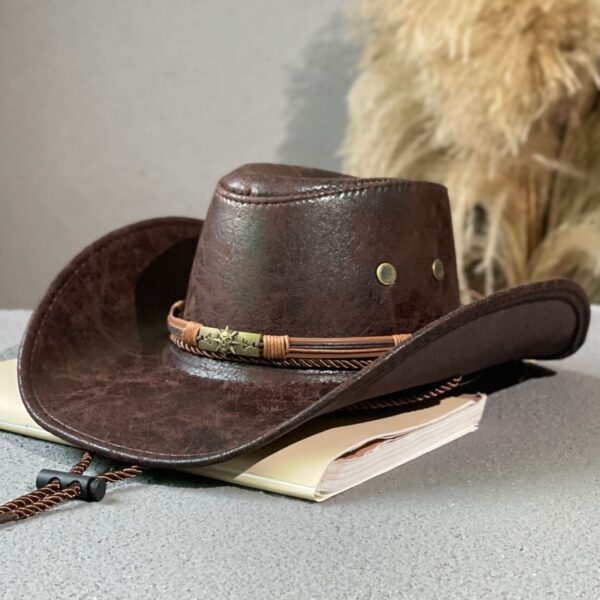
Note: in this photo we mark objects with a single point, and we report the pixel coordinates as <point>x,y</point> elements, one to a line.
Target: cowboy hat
<point>179,342</point>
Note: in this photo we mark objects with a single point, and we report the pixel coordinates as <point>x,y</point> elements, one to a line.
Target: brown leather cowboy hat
<point>302,292</point>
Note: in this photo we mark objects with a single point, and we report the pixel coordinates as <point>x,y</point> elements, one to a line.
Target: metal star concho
<point>227,341</point>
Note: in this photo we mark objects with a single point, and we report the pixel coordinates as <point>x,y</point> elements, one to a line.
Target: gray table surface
<point>511,511</point>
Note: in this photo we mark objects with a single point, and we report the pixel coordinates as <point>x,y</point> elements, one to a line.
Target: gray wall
<point>114,111</point>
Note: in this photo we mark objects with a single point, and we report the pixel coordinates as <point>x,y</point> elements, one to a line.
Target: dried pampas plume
<point>498,100</point>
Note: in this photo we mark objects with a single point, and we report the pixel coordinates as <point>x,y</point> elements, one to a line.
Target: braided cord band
<point>301,363</point>
<point>280,350</point>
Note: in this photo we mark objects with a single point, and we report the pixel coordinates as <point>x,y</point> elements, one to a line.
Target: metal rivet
<point>386,273</point>
<point>438,269</point>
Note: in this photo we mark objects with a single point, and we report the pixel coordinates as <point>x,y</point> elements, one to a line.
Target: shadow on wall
<point>316,98</point>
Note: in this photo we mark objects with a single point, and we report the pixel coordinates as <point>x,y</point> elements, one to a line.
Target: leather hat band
<point>348,352</point>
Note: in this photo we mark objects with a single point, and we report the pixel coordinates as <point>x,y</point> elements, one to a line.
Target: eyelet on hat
<point>386,273</point>
<point>437,268</point>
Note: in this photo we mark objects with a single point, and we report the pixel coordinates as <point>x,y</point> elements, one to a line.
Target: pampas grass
<point>498,100</point>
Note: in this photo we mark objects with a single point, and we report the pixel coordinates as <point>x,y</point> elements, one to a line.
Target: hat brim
<point>96,367</point>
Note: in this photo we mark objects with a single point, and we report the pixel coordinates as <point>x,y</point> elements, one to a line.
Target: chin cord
<point>55,487</point>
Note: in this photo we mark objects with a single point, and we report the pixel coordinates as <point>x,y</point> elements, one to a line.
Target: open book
<point>322,458</point>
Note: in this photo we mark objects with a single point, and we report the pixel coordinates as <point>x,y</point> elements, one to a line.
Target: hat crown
<point>298,251</point>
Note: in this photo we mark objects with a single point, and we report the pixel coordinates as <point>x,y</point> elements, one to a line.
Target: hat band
<point>348,352</point>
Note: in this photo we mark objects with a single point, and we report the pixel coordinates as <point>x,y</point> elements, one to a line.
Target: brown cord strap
<point>430,393</point>
<point>301,363</point>
<point>52,494</point>
<point>282,350</point>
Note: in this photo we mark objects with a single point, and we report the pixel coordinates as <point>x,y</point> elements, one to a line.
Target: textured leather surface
<point>265,180</point>
<point>96,367</point>
<point>302,259</point>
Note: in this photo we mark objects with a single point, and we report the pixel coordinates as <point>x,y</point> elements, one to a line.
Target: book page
<point>302,457</point>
